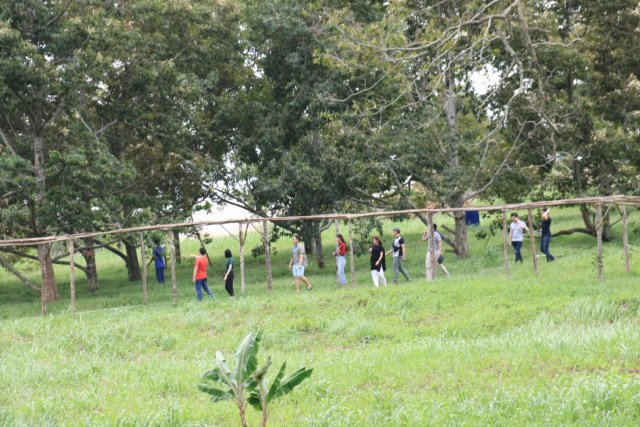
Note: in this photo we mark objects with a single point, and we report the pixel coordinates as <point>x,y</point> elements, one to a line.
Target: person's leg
<point>519,254</point>
<point>228,284</point>
<point>381,279</point>
<point>342,278</point>
<point>306,282</point>
<point>199,289</point>
<point>544,246</point>
<point>547,252</point>
<point>206,288</point>
<point>374,276</point>
<point>396,266</point>
<point>402,270</point>
<point>444,270</point>
<point>159,274</point>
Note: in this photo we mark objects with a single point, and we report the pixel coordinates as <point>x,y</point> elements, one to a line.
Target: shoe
<point>309,289</point>
<point>551,259</point>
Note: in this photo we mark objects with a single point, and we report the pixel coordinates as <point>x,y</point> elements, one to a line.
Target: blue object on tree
<point>472,218</point>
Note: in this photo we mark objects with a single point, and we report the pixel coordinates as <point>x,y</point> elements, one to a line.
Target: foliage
<point>248,380</point>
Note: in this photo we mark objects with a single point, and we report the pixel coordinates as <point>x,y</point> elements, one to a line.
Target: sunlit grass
<point>555,349</point>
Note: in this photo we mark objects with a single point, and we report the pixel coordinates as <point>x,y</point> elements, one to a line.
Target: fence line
<point>620,200</point>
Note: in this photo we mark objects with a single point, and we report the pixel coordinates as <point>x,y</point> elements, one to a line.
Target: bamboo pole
<point>532,240</point>
<point>352,265</point>
<point>267,254</point>
<point>241,239</point>
<point>337,222</point>
<point>599,261</point>
<point>431,271</point>
<point>72,274</point>
<point>625,237</point>
<point>629,200</point>
<point>174,284</point>
<point>505,243</point>
<point>143,258</point>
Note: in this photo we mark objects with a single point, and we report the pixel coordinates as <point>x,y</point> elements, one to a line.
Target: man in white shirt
<point>516,235</point>
<point>437,238</point>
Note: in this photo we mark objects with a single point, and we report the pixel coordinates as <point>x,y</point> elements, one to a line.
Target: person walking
<point>516,235</point>
<point>298,263</point>
<point>160,260</point>
<point>228,275</point>
<point>437,239</point>
<point>200,274</point>
<point>399,254</point>
<point>378,265</point>
<point>341,250</point>
<point>545,238</point>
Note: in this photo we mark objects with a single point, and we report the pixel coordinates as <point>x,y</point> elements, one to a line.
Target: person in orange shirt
<point>200,275</point>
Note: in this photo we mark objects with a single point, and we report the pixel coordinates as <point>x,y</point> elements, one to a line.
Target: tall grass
<point>557,349</point>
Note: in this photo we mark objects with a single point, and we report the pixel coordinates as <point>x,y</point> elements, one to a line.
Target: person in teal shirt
<point>228,275</point>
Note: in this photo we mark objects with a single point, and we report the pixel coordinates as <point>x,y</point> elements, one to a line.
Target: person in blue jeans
<point>200,274</point>
<point>516,235</point>
<point>160,260</point>
<point>545,238</point>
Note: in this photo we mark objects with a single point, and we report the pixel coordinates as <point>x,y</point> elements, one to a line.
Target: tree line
<point>114,114</point>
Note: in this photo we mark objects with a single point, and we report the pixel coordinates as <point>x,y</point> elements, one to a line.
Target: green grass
<point>557,349</point>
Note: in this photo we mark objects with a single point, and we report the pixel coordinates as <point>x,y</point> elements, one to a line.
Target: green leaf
<point>217,395</point>
<point>220,372</point>
<point>254,400</point>
<point>276,382</point>
<point>288,384</point>
<point>246,361</point>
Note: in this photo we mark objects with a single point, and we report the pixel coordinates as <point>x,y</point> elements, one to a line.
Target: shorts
<point>297,270</point>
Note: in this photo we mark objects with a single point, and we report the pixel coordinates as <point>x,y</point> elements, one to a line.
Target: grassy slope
<point>476,349</point>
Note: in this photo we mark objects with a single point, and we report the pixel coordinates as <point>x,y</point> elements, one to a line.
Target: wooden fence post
<point>352,265</point>
<point>505,243</point>
<point>267,254</point>
<point>431,255</point>
<point>625,238</point>
<point>241,239</point>
<point>174,284</point>
<point>599,261</point>
<point>532,240</point>
<point>72,274</point>
<point>143,258</point>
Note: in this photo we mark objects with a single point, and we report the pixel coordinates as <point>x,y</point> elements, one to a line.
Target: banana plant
<point>247,384</point>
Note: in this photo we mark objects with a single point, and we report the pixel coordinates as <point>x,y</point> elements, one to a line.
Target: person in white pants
<point>378,262</point>
<point>437,238</point>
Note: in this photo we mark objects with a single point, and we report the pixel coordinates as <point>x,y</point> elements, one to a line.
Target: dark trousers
<point>516,248</point>
<point>160,274</point>
<point>544,247</point>
<point>228,284</point>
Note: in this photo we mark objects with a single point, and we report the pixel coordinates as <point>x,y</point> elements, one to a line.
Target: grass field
<point>476,349</point>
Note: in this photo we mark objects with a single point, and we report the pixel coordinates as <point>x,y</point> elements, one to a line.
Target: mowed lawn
<point>476,349</point>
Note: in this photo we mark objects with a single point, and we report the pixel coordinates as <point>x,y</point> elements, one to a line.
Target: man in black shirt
<point>546,234</point>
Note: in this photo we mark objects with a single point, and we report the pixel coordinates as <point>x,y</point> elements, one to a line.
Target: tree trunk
<point>49,288</point>
<point>133,266</point>
<point>176,245</point>
<point>313,241</point>
<point>462,245</point>
<point>89,256</point>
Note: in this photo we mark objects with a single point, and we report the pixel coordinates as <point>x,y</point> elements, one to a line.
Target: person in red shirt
<point>341,250</point>
<point>200,274</point>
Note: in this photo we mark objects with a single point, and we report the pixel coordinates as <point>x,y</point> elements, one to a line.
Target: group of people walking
<point>378,255</point>
<point>200,275</point>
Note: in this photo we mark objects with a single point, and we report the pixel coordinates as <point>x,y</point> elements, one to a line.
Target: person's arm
<point>301,259</point>
<point>425,235</point>
<point>195,270</point>
<point>228,271</point>
<point>389,251</point>
<point>545,215</point>
<point>404,251</point>
<point>510,233</point>
<point>380,258</point>
<point>165,261</point>
<point>291,262</point>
